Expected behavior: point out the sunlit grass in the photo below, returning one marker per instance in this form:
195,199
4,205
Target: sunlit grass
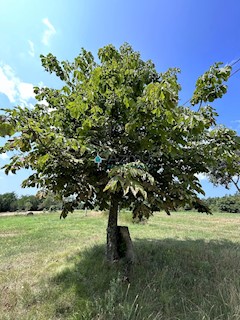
187,267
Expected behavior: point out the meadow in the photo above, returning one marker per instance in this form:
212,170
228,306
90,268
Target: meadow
187,268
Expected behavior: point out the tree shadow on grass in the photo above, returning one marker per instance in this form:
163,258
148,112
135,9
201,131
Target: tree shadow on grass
170,279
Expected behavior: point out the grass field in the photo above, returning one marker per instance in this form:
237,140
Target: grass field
187,267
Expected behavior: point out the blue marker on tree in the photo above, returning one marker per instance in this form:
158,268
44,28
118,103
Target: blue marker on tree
98,160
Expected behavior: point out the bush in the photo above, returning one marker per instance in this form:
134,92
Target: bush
230,203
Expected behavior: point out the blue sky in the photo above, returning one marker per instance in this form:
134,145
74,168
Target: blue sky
188,34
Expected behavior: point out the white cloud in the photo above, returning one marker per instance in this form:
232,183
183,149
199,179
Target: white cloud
7,85
4,156
45,103
31,50
26,90
202,176
15,89
48,33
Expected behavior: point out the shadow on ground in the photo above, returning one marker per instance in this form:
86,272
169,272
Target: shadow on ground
170,279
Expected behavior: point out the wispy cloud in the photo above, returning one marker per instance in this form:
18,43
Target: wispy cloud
236,121
31,50
48,33
14,88
4,156
235,125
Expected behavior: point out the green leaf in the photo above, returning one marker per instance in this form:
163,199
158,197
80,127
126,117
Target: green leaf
6,129
42,160
111,185
169,116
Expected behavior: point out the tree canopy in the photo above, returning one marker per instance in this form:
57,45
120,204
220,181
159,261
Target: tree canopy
116,135
117,127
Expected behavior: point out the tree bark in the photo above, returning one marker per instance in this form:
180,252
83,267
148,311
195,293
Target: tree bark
125,250
112,230
125,245
119,243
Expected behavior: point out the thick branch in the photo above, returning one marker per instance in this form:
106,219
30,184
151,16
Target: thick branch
236,184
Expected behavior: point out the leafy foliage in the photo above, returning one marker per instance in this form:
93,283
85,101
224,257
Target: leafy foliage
226,171
11,202
229,203
125,111
210,85
8,202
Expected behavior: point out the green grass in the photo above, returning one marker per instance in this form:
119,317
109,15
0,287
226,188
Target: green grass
187,268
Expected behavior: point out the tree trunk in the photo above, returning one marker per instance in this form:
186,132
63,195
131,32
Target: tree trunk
112,231
125,246
119,243
125,250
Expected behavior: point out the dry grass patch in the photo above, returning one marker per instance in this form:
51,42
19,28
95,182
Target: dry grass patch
8,234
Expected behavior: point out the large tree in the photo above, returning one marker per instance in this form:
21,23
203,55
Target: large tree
116,135
8,202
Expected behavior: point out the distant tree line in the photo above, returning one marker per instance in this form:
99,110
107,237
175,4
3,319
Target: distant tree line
11,202
228,203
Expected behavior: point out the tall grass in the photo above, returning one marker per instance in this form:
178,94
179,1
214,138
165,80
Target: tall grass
187,267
